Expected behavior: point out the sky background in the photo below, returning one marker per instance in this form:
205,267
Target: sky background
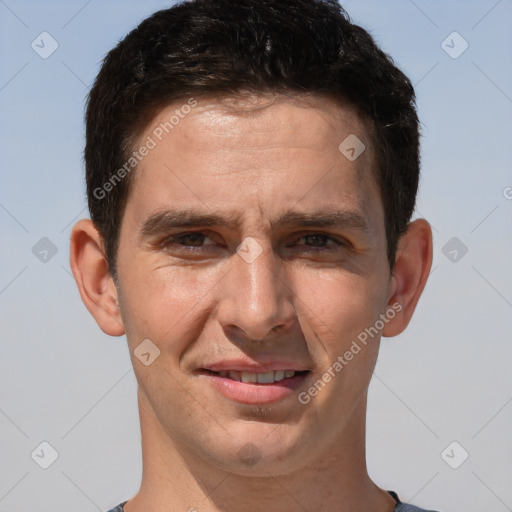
445,380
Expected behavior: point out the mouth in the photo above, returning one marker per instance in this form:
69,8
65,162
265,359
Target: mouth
255,387
270,377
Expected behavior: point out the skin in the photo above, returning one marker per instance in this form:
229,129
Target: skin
198,301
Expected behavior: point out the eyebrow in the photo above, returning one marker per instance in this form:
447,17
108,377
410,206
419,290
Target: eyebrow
164,221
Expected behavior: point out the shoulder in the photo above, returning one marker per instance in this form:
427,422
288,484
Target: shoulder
119,508
405,507
400,507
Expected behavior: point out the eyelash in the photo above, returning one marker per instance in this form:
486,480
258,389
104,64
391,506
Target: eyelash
174,241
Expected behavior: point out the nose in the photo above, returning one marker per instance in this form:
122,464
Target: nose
256,299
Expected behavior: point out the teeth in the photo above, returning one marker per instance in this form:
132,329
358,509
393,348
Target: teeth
265,378
232,374
249,377
279,375
260,378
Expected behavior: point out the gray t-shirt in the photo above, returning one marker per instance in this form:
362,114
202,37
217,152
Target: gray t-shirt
400,507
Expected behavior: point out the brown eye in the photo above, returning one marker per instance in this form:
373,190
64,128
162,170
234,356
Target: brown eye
193,239
319,241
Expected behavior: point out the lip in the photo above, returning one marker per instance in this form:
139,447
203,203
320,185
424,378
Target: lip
246,365
254,393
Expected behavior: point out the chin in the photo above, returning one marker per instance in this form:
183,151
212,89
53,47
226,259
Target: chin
252,461
259,452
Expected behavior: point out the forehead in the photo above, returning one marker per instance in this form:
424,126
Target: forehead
276,148
317,121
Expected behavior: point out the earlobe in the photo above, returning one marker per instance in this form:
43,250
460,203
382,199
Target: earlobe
412,268
93,278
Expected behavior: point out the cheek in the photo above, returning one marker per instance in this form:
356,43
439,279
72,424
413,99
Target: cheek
159,304
335,311
338,306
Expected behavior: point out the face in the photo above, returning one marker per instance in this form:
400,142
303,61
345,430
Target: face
252,249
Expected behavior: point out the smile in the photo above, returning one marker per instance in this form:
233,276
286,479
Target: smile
253,387
260,378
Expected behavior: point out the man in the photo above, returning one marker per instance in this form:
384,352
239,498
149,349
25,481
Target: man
252,169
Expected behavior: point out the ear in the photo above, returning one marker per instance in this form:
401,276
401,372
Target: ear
92,276
412,268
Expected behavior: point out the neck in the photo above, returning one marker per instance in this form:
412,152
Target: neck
179,479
